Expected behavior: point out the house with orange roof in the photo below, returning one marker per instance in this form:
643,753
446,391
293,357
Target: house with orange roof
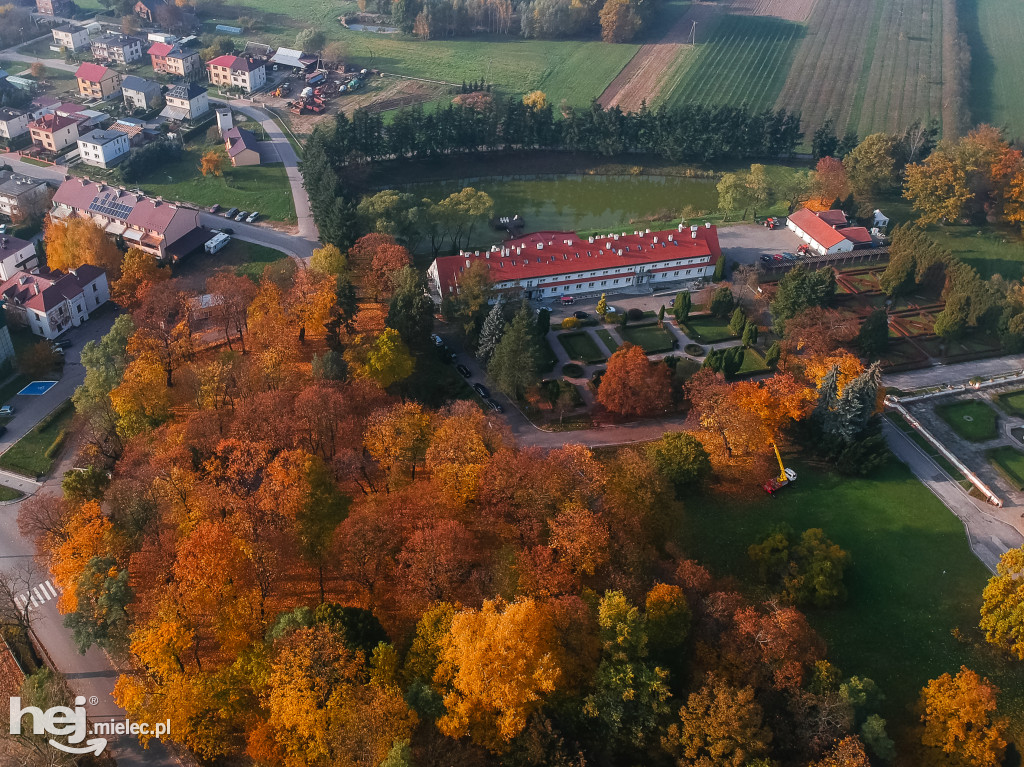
96,81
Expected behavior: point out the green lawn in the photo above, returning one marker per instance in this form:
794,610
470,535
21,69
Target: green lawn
706,329
974,421
248,260
742,60
651,338
28,455
9,493
1012,402
1010,462
995,29
753,363
580,346
256,187
913,579
607,340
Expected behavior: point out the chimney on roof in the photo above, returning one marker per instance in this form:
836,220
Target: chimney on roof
590,239
647,231
693,234
671,237
707,224
540,246
620,251
655,240
35,285
615,236
681,227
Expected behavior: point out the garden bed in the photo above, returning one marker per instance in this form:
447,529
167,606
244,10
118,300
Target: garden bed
608,340
706,329
580,346
1009,461
651,338
974,421
1012,402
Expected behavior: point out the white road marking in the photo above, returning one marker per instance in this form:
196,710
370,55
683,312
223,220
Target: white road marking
36,596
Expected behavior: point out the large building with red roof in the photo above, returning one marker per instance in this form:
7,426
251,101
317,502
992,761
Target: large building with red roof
556,264
96,81
148,224
828,231
49,304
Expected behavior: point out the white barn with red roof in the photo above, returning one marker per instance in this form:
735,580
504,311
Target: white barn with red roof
549,264
828,231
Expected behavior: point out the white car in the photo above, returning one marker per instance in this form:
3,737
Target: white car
252,217
6,410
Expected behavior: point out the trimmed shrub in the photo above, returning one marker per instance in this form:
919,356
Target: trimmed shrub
635,315
694,350
570,323
572,370
56,445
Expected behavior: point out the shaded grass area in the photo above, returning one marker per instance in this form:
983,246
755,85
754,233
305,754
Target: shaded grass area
1010,463
651,338
9,494
580,346
607,340
994,29
29,454
912,583
1012,402
753,363
973,421
707,329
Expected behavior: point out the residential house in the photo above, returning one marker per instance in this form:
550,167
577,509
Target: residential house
16,255
163,229
828,232
140,93
96,81
54,132
22,197
13,122
171,59
187,101
71,37
54,7
136,130
247,74
147,9
86,118
242,147
49,304
547,264
117,49
104,148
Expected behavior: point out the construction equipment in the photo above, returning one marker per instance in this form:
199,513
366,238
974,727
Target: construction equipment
786,476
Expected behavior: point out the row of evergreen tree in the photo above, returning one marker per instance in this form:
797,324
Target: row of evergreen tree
687,134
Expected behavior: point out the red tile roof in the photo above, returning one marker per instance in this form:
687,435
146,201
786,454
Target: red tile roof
567,253
93,73
52,122
160,49
226,60
833,217
858,235
142,212
809,223
45,292
235,63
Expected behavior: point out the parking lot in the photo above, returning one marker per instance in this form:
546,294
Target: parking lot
746,243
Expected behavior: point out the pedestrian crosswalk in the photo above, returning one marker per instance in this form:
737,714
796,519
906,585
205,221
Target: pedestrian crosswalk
36,596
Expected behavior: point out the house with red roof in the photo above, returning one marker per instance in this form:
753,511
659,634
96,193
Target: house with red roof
172,60
243,72
54,132
550,264
163,229
828,231
48,304
96,81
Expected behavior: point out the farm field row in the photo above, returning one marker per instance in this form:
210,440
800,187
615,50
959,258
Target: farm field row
868,65
995,31
744,60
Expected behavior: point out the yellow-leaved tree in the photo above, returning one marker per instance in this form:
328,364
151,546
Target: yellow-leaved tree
75,241
958,713
1002,608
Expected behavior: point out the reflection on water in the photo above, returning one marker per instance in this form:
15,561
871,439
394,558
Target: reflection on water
582,202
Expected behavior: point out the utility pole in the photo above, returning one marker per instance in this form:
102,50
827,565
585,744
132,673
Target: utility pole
693,34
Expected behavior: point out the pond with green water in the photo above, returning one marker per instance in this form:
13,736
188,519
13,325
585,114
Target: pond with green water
584,202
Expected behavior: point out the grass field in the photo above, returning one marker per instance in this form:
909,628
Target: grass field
1010,462
706,329
580,346
913,579
651,338
995,31
607,340
753,363
255,187
1012,402
28,455
972,420
744,61
9,493
869,65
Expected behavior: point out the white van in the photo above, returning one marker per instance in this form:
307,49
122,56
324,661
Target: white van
218,242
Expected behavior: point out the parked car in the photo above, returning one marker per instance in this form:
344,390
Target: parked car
214,208
241,216
63,343
252,216
495,406
6,411
672,302
580,315
482,390
610,309
436,339
227,230
778,257
463,371
231,213
765,258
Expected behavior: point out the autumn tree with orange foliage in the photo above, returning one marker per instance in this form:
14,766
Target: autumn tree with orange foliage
633,384
959,718
74,241
140,271
375,258
212,163
309,301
